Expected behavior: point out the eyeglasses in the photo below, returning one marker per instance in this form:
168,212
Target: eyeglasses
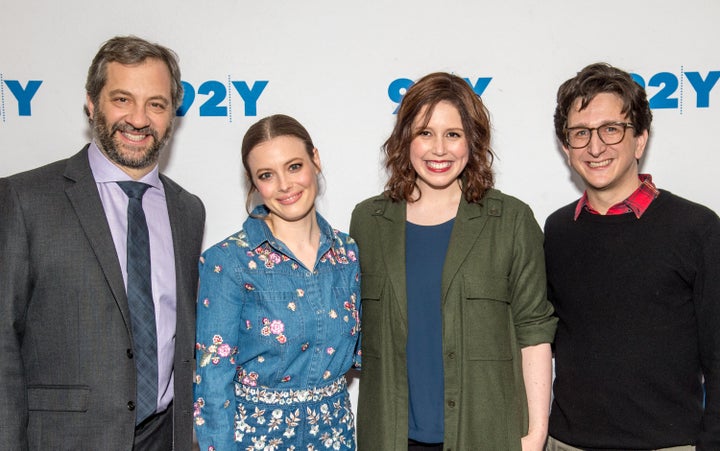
609,133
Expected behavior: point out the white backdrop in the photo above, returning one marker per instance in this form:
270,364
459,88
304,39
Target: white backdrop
331,64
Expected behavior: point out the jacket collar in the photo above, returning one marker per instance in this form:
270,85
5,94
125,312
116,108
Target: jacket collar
470,221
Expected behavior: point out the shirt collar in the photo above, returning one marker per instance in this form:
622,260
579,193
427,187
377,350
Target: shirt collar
257,232
638,202
104,171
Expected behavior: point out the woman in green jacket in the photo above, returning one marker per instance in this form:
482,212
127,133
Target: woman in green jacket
456,324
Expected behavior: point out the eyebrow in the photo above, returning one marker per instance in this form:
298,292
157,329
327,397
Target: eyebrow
286,163
129,94
585,125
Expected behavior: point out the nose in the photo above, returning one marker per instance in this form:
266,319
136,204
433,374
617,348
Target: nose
595,147
284,182
138,117
439,147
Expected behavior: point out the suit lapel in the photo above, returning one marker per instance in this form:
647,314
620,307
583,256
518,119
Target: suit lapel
179,230
184,283
82,193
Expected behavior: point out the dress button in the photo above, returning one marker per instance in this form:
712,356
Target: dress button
451,355
131,405
129,353
451,403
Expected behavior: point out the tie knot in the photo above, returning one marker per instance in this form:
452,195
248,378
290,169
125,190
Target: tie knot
134,190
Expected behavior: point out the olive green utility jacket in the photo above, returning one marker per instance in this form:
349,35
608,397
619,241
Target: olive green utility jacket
493,304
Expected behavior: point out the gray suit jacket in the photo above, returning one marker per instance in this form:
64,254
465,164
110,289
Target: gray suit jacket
67,377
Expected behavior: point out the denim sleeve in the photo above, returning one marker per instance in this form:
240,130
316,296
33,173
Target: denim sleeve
357,355
218,308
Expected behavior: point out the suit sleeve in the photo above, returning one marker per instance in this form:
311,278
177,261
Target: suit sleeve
218,311
15,287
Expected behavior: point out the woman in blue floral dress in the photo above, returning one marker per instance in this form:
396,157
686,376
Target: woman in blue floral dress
278,320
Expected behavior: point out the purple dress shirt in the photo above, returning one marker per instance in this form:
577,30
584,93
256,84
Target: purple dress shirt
162,256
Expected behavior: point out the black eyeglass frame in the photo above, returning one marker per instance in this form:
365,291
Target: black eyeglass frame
624,125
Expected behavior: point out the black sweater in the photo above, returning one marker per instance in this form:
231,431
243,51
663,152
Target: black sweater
638,302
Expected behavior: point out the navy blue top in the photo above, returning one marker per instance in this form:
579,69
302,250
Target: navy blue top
425,250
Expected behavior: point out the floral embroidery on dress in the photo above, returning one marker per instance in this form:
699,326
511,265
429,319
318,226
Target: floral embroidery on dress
274,327
215,352
269,257
240,239
249,379
197,409
328,423
257,326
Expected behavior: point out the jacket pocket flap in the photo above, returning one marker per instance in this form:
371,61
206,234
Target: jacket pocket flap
495,289
59,398
371,286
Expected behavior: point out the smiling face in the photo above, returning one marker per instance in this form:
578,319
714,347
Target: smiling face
285,176
439,151
610,172
133,117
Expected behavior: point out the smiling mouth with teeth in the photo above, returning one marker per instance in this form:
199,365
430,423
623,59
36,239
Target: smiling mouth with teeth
134,137
598,164
438,164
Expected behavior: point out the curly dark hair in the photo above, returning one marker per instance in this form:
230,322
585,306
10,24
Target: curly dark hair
477,177
600,78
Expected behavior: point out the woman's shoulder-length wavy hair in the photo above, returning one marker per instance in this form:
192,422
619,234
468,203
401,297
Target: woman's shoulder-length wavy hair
421,98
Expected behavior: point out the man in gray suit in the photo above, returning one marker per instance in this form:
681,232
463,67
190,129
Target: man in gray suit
70,372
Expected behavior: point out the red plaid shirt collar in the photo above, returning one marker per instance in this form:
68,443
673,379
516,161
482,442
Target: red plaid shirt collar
638,202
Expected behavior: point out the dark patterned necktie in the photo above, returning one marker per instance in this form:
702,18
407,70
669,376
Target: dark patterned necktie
139,293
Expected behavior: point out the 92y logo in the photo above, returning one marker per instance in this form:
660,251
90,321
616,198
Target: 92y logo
399,86
218,99
673,91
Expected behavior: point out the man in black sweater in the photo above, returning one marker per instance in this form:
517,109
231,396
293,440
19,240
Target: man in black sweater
634,275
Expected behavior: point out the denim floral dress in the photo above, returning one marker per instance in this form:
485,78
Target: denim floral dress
274,340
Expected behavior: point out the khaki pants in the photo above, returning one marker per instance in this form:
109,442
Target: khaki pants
557,445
